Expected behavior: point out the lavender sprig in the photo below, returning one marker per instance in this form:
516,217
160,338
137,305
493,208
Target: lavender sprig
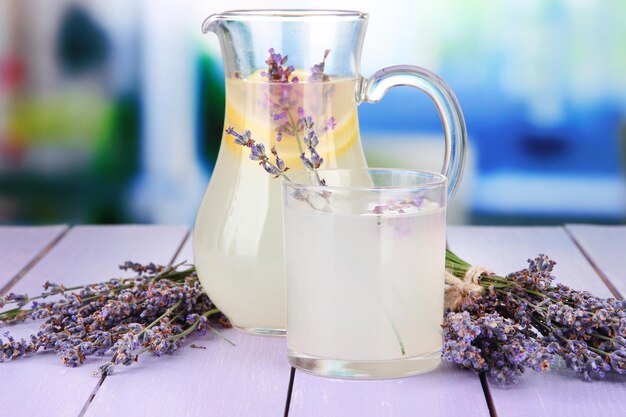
587,332
257,153
310,139
151,312
317,72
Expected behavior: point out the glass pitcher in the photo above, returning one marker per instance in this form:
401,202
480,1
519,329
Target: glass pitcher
281,66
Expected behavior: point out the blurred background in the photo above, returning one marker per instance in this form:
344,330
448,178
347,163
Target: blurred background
112,112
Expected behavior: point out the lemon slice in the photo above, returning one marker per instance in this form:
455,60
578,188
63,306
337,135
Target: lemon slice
245,110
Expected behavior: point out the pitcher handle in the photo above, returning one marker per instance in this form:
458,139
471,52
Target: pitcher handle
374,88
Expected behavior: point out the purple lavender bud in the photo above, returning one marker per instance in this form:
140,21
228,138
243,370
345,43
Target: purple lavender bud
316,160
270,169
21,299
280,164
135,327
317,69
105,369
306,162
314,141
331,123
239,139
192,318
257,152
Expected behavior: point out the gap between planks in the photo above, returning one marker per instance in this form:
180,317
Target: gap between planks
594,265
292,376
104,377
38,257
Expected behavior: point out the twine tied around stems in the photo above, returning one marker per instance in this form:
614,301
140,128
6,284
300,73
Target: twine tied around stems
457,289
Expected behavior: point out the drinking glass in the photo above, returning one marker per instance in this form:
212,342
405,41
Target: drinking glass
365,258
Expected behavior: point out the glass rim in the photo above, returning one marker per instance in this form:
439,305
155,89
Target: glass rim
293,14
436,180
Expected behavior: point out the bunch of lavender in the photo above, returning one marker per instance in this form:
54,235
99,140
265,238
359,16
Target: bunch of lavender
154,311
525,320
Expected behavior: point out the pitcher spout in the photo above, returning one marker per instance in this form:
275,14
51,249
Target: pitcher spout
211,23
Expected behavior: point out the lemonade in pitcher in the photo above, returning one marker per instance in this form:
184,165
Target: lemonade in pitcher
238,247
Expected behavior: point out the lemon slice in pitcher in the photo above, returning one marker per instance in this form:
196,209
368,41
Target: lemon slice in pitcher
247,107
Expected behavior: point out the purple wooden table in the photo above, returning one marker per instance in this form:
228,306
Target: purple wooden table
253,378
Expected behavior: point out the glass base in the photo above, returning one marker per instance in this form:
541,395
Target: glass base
261,331
335,368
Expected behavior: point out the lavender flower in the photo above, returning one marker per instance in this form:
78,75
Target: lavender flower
146,313
275,71
587,332
243,140
257,153
493,344
317,72
310,138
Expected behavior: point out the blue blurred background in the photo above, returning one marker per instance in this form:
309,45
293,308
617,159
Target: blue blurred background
112,111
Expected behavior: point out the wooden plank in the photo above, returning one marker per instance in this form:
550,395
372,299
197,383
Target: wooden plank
21,246
41,384
446,391
606,247
558,393
249,379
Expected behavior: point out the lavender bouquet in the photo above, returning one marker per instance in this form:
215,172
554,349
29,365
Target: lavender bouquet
154,312
503,325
